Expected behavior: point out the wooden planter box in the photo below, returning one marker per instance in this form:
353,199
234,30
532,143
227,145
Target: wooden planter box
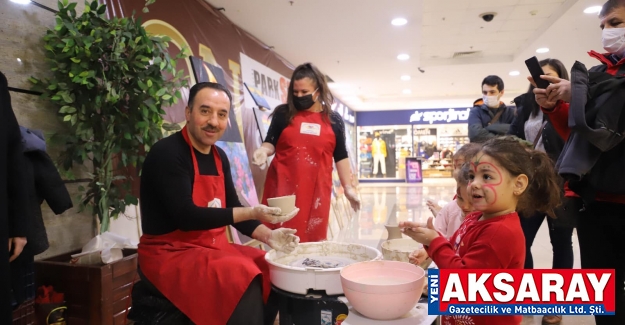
94,294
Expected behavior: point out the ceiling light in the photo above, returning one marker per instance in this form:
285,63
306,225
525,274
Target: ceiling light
403,57
407,91
22,2
405,77
542,50
593,10
515,73
399,21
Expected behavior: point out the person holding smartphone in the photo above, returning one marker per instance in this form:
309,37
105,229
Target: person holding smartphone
532,125
601,224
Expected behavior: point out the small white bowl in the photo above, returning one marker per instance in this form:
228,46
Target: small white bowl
400,250
285,203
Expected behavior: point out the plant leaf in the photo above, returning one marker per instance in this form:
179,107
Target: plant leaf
161,92
66,97
64,109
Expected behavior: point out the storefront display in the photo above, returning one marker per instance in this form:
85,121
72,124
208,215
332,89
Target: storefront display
432,137
424,141
381,151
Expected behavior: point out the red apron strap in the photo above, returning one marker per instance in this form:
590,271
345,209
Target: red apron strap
185,134
196,169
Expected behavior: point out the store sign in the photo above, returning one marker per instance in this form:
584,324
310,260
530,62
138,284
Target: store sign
424,132
346,113
432,116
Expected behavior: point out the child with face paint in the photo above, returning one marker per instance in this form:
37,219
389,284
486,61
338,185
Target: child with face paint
450,217
464,154
502,178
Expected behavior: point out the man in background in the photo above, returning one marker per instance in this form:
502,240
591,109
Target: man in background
493,117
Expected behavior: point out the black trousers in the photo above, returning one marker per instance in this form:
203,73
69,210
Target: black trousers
251,310
560,236
149,306
601,232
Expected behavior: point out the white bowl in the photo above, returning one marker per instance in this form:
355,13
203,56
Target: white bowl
400,250
285,203
383,290
288,275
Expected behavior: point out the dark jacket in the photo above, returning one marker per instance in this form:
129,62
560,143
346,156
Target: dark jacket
551,140
44,183
12,192
594,155
480,117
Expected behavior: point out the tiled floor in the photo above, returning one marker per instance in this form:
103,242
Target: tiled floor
382,203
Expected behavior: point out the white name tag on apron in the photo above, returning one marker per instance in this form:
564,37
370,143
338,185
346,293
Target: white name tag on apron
310,128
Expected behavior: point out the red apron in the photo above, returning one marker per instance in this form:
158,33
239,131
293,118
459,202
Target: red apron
200,272
303,166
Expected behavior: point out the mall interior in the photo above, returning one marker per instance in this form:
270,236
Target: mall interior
376,98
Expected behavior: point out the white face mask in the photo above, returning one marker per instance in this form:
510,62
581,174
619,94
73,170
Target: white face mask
614,40
491,101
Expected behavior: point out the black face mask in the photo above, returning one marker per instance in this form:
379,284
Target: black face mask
304,102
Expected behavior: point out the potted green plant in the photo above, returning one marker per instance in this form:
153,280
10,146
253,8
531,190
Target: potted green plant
110,80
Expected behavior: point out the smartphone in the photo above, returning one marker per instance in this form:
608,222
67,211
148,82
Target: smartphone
536,71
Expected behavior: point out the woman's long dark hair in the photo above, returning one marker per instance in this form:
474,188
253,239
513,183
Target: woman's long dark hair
307,70
559,68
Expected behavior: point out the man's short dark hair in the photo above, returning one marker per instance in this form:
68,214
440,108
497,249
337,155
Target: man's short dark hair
201,85
493,81
611,5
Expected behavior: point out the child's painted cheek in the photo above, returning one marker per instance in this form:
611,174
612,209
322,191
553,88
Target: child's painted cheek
490,194
490,190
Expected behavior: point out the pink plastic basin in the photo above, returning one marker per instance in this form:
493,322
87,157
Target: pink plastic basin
383,290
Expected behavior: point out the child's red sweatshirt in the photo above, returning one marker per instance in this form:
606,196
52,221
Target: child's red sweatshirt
496,243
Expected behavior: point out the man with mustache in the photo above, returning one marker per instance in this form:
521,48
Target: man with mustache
187,201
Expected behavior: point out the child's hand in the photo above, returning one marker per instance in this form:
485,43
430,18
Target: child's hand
419,232
434,208
417,257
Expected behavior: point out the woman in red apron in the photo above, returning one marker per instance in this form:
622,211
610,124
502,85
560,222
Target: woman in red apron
199,271
306,136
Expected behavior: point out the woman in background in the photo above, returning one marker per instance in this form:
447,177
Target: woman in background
533,126
307,137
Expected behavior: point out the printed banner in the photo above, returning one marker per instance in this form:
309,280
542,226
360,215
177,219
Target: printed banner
265,82
521,292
